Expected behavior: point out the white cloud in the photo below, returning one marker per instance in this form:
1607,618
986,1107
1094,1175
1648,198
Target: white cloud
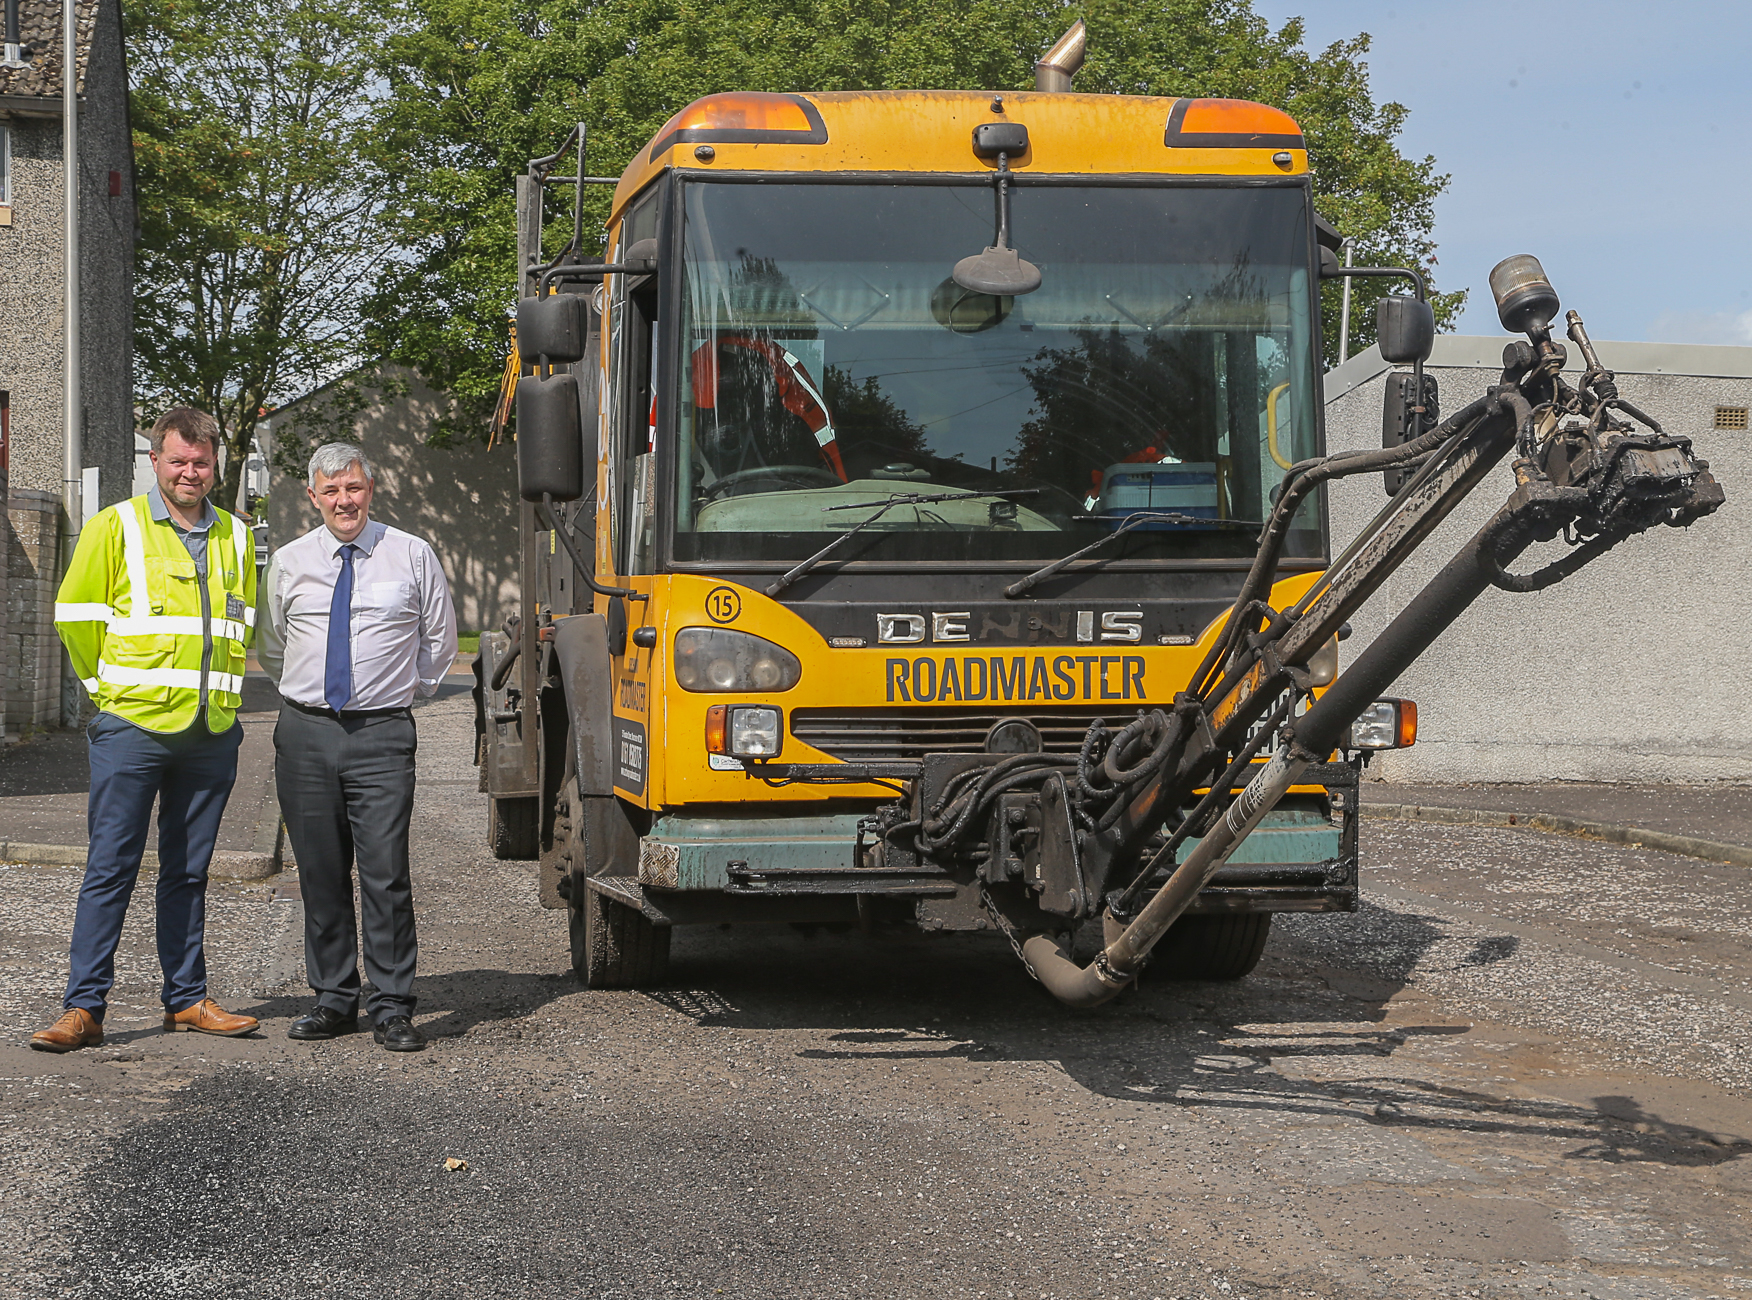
1726,327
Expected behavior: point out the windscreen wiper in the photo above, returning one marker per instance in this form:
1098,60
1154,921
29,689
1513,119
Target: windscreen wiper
898,499
1022,586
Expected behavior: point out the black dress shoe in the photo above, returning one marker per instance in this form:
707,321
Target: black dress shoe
324,1022
397,1034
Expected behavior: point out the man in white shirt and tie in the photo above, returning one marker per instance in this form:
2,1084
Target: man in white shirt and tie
355,622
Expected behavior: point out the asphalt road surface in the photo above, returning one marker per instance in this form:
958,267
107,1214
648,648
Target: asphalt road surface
1521,1070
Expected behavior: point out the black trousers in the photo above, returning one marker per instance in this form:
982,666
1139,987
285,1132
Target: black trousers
346,786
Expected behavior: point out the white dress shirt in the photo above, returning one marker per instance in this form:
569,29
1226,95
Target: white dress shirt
402,630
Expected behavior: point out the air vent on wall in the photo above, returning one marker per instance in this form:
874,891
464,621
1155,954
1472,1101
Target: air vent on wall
1730,417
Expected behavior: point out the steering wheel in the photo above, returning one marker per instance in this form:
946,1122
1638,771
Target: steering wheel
796,475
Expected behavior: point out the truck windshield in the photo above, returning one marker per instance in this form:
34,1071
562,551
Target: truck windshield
1165,364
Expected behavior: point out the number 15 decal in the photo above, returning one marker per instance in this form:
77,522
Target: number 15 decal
723,605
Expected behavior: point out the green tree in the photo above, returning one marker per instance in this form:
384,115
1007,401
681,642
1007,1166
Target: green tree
261,193
483,85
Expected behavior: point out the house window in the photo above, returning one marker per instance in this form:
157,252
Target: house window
5,166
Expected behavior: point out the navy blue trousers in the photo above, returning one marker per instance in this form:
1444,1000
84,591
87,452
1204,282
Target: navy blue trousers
189,774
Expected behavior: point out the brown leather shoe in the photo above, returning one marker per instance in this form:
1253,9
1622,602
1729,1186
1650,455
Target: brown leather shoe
76,1028
207,1017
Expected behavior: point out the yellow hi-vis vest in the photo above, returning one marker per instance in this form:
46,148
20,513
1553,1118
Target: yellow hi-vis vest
130,613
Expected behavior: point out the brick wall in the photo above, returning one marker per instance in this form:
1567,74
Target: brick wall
32,654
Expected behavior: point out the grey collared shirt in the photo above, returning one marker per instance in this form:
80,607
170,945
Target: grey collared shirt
194,538
402,631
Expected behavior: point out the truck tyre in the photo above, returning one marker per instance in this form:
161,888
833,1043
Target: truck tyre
614,946
514,828
1224,946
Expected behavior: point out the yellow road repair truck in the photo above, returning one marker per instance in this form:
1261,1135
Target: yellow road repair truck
923,525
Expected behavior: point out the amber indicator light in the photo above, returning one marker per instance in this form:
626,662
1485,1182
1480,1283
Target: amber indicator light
745,117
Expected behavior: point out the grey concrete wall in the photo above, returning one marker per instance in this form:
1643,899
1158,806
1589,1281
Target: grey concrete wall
31,280
461,499
1636,669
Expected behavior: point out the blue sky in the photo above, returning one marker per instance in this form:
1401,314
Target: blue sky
1611,140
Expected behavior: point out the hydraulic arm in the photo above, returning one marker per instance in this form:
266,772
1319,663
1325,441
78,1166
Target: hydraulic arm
1097,833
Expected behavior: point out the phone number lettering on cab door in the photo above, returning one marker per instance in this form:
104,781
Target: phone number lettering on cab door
1015,677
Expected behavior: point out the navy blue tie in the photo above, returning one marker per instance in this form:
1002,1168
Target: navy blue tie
337,680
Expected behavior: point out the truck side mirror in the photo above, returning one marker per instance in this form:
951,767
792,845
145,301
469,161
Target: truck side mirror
1405,329
550,442
1401,421
640,257
555,326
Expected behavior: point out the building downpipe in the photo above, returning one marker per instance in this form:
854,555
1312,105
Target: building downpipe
72,451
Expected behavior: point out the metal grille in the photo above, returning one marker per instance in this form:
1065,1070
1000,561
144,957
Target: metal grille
865,734
1730,417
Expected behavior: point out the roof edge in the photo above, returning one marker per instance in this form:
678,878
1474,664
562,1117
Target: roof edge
1483,352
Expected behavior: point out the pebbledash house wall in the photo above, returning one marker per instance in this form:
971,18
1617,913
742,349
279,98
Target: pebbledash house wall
1637,668
32,353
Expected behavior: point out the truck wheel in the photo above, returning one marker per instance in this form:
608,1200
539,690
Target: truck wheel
1224,946
514,828
615,946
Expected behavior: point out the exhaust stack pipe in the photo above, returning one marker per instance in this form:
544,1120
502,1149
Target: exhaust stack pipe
1059,64
15,55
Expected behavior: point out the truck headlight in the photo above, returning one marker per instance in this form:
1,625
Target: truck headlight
1385,724
1323,664
716,659
745,730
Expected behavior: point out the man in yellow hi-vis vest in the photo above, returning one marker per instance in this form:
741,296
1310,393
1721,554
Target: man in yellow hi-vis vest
156,612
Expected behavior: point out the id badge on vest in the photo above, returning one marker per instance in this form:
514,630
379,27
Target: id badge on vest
234,607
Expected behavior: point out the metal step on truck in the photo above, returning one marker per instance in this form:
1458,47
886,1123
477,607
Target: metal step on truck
925,524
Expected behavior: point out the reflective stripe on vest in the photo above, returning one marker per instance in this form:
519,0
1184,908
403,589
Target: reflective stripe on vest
173,625
152,624
90,612
174,677
134,555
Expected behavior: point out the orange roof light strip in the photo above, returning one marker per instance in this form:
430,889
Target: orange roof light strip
1230,124
744,117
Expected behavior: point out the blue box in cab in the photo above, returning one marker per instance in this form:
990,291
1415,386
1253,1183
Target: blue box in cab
1186,488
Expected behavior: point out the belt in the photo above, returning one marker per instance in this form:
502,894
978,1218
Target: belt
402,711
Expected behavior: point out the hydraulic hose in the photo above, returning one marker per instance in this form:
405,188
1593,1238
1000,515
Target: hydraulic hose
503,671
1301,480
1315,733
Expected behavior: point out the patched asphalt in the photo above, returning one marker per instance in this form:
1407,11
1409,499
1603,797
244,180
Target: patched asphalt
1519,1070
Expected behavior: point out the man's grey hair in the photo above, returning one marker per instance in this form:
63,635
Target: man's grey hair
332,458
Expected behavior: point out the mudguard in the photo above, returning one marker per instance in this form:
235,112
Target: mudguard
606,836
507,769
581,642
